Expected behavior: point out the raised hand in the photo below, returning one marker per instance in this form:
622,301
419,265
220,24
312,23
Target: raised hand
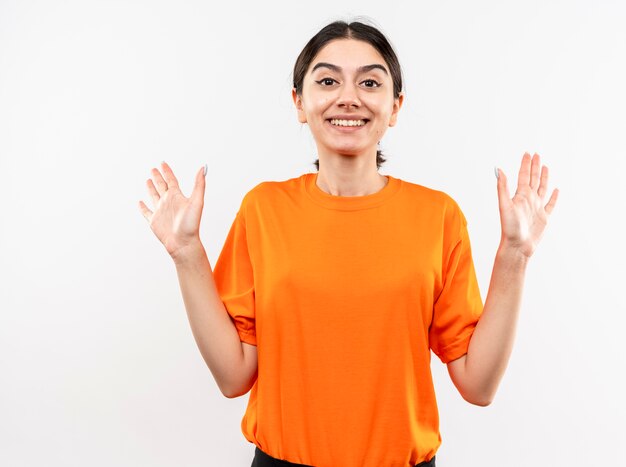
524,217
176,218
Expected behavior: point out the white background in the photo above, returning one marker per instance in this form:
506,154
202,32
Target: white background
98,366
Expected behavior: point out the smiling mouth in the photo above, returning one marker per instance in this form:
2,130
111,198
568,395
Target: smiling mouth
347,123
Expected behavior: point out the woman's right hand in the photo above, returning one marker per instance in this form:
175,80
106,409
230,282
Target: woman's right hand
176,218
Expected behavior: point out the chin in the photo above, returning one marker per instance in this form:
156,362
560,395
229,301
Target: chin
349,150
352,152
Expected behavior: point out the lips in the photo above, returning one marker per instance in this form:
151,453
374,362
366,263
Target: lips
349,122
338,122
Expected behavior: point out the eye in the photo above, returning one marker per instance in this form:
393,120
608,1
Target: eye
326,81
370,83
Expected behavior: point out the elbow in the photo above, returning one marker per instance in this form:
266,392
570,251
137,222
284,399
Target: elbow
482,395
481,400
228,390
234,391
231,393
235,394
241,378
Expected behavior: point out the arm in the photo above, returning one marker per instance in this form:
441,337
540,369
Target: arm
176,223
477,374
233,363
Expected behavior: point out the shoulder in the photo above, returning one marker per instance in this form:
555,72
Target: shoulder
271,190
437,201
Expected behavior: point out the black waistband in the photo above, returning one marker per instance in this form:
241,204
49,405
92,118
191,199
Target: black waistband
261,459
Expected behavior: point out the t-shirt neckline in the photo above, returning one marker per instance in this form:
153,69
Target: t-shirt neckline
350,203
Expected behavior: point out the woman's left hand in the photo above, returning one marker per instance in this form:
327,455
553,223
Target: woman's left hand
524,217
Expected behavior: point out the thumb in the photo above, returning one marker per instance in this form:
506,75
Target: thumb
200,184
504,197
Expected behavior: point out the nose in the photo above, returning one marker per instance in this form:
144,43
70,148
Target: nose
348,96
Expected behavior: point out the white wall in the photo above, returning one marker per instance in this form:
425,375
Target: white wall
98,365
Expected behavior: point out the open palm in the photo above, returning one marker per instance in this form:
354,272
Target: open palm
176,218
524,217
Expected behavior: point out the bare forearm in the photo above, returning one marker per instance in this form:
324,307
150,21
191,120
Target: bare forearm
492,341
523,219
214,332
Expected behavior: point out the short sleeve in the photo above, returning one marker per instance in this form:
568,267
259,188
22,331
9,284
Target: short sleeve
459,304
234,280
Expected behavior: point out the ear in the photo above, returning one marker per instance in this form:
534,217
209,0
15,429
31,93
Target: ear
397,104
297,100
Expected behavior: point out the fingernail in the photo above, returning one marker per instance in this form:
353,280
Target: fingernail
206,167
495,169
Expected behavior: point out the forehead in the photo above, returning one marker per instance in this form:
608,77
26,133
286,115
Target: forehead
348,54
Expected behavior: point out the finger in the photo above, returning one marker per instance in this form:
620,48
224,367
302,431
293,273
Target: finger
534,171
154,194
543,186
523,179
198,188
170,178
552,202
160,183
145,211
504,197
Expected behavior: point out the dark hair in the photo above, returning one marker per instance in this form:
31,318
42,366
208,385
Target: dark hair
343,30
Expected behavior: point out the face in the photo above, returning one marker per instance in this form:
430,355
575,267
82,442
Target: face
347,98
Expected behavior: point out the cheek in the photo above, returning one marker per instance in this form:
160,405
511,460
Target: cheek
316,107
320,103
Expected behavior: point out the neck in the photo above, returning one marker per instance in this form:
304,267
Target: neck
350,181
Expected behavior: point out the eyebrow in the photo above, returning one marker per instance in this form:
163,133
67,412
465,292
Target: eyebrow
361,69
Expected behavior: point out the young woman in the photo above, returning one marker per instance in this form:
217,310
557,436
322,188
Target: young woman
333,287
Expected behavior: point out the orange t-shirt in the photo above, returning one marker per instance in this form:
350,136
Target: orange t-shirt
344,297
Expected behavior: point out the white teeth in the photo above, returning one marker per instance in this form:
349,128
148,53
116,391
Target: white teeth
338,122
